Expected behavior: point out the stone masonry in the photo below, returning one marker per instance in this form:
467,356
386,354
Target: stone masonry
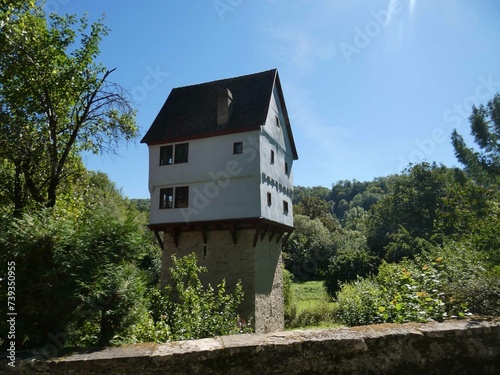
453,347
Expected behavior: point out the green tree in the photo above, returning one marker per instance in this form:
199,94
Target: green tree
55,101
351,259
300,192
483,165
80,277
412,204
317,208
308,248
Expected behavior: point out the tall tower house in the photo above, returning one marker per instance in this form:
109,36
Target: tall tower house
220,177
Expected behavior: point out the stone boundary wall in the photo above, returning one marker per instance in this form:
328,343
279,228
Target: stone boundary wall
454,347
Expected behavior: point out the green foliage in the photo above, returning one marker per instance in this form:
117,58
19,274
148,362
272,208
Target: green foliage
317,208
443,283
79,274
55,101
308,306
287,289
301,192
357,303
308,248
413,203
350,261
403,245
348,194
483,165
40,245
412,292
188,310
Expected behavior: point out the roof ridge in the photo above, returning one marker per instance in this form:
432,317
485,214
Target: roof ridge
227,79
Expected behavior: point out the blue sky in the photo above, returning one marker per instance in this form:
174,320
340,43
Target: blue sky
369,85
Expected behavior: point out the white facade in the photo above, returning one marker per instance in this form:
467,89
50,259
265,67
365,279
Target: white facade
224,185
274,178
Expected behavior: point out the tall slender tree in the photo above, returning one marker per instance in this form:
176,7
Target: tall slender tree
483,165
55,100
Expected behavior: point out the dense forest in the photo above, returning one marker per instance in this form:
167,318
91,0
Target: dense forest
420,245
83,269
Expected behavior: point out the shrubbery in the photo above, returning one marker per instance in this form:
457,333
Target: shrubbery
441,284
188,310
87,273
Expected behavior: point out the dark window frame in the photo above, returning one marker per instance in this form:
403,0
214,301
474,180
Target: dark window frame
237,148
174,197
181,197
167,155
174,154
181,152
166,198
285,207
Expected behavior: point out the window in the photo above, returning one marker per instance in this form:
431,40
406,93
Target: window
181,153
286,168
272,157
166,155
181,196
238,148
174,154
178,200
285,207
277,121
166,197
269,199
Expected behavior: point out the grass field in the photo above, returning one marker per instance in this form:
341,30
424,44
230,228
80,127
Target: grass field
310,294
311,306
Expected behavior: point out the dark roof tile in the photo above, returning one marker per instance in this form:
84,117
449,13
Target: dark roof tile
191,111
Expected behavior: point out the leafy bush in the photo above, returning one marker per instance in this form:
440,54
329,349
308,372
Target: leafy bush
315,316
352,260
412,292
187,310
356,303
470,278
420,290
79,274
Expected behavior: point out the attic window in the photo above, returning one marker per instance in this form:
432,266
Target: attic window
277,121
238,148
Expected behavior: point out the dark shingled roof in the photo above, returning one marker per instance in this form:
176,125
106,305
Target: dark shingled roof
191,112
